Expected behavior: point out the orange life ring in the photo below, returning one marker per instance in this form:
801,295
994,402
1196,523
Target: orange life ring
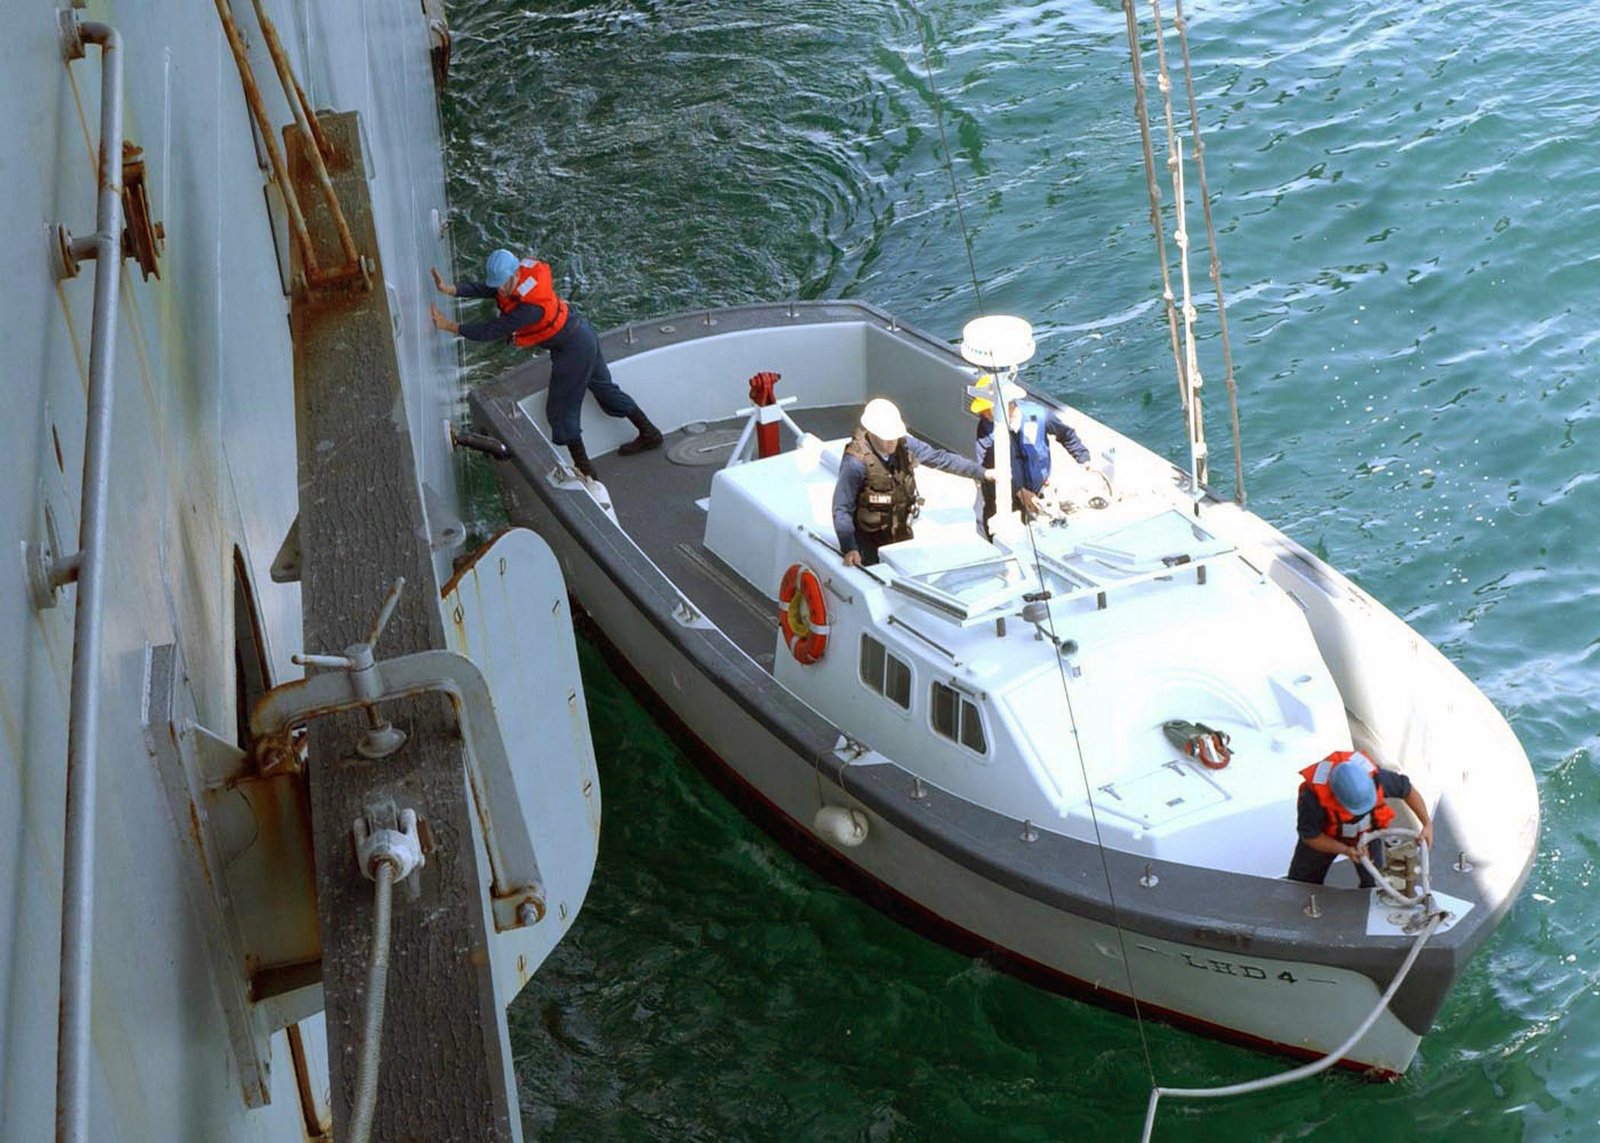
803,614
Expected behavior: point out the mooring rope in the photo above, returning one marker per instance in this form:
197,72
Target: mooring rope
1308,1070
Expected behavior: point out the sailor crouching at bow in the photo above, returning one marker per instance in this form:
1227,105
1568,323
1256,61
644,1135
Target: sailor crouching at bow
1341,798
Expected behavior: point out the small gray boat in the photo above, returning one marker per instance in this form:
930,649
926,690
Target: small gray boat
973,734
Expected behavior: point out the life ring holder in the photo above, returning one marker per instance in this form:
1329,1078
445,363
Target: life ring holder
803,614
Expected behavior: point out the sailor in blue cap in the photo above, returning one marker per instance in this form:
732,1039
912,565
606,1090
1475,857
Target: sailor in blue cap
1342,797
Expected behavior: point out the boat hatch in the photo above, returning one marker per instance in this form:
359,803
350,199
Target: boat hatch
963,580
1164,540
1161,795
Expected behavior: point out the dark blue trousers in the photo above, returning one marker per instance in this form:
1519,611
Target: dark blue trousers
577,366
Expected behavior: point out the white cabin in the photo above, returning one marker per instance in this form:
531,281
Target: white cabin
1059,722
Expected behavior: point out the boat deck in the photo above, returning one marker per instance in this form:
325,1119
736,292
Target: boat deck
656,496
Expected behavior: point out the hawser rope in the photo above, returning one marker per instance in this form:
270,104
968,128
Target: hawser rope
1434,917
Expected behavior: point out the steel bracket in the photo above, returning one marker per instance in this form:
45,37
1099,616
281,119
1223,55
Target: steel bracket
48,571
251,883
361,682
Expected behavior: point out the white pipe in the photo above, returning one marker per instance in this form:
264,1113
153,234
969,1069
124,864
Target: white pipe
1005,523
83,728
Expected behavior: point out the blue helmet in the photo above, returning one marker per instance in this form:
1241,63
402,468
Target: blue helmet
501,265
1352,783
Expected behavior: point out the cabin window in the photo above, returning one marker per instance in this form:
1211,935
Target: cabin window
889,676
956,717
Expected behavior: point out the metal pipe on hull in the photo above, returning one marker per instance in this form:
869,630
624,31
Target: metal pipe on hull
83,731
307,124
280,169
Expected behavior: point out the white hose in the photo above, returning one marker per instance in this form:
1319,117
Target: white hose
377,986
1307,1070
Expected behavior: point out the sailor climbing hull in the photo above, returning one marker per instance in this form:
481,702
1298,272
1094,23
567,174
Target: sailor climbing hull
1234,952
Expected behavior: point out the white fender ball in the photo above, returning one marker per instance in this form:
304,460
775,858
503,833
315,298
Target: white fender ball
842,826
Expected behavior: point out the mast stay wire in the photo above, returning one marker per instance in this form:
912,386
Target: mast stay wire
1083,769
1066,691
1185,356
1000,410
949,162
1181,23
1189,370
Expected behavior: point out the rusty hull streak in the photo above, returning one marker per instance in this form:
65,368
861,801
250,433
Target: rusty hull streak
515,894
471,563
275,752
285,847
315,1130
197,835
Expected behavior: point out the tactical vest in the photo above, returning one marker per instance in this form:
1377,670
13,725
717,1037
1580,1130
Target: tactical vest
888,497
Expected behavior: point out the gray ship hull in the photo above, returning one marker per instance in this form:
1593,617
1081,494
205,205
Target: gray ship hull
201,607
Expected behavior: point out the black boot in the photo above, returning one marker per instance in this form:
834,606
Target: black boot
580,460
649,436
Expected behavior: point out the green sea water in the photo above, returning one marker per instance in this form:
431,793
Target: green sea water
1410,238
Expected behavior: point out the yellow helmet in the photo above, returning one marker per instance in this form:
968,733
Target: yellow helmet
1013,392
982,404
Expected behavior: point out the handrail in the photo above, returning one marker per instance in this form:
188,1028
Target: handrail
83,728
1105,587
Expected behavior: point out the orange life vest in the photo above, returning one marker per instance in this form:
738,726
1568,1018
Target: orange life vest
1338,822
533,285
